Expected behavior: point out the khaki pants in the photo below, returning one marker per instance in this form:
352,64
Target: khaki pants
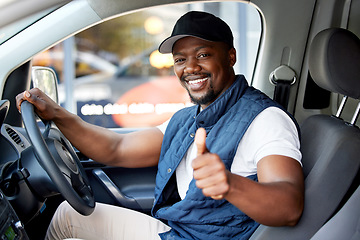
106,223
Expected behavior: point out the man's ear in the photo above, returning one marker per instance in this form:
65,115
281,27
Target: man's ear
232,56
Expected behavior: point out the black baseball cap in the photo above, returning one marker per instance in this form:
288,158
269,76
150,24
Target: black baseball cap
201,25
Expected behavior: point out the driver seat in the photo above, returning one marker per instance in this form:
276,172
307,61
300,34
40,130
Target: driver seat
345,224
330,145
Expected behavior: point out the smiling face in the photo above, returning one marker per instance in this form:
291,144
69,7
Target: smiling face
204,68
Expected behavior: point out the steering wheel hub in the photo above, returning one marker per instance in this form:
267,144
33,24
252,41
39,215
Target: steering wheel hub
64,157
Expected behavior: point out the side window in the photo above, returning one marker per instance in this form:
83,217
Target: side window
113,76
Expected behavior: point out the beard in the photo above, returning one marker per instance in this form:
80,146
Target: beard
208,98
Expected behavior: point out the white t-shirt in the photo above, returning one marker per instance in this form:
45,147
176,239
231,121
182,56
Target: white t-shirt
272,132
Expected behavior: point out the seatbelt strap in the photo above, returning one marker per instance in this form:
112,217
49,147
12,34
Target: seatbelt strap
282,77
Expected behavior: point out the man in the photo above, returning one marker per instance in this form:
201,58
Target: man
243,169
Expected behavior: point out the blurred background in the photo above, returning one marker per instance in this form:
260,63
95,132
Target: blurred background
112,75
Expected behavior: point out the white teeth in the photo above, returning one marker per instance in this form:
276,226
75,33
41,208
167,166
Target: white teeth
198,81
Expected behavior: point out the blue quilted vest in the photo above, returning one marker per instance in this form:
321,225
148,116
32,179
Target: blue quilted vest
225,120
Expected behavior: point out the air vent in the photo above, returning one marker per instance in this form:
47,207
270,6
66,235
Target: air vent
15,137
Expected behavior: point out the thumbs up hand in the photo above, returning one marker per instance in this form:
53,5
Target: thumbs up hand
209,171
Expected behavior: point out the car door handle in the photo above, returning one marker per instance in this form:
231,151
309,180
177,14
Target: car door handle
114,191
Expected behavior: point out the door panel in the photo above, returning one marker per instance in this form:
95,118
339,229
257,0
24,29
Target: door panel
126,187
129,188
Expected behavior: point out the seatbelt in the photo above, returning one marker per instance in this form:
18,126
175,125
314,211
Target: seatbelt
282,77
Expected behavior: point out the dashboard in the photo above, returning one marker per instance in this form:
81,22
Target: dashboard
11,228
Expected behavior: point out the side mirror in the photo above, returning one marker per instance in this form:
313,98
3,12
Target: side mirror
45,79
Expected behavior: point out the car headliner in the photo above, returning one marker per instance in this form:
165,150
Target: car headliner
12,11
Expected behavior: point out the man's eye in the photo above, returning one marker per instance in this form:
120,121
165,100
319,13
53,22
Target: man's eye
178,60
202,55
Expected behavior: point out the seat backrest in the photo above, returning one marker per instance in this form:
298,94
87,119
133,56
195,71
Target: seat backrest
330,146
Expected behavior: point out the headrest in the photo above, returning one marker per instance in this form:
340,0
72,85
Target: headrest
334,61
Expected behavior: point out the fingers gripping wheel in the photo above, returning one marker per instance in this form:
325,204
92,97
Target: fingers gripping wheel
59,160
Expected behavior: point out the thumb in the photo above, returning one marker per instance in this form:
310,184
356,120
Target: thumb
27,95
24,96
200,141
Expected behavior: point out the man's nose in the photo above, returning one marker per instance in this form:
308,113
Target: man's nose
192,66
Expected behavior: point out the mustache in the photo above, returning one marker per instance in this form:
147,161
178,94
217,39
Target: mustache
194,76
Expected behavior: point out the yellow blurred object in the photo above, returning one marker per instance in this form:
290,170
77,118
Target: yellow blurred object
160,61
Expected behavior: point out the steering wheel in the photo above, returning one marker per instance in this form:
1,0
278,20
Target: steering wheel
57,157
